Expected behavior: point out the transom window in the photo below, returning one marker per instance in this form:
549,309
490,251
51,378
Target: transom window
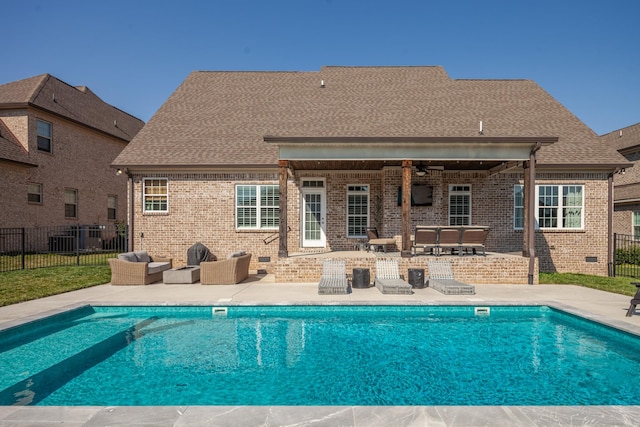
257,207
112,207
459,205
156,194
357,210
34,193
44,135
70,203
557,206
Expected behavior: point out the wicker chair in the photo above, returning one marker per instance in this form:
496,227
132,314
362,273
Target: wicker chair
388,280
225,272
138,268
441,279
334,278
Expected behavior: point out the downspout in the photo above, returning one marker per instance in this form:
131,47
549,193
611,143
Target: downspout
531,208
610,246
130,217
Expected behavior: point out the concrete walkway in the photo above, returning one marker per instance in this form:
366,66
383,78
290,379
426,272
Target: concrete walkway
601,306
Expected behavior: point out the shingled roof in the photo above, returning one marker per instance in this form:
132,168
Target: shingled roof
221,118
78,104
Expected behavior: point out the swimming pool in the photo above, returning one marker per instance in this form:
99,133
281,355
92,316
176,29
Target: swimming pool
318,355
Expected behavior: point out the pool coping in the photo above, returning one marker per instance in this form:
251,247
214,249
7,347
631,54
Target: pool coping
325,415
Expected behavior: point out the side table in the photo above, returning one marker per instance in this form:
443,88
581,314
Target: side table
416,278
361,278
182,275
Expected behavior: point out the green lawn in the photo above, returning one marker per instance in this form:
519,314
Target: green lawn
618,285
25,285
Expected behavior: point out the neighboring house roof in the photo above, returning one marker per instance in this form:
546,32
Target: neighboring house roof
78,104
220,119
627,142
11,150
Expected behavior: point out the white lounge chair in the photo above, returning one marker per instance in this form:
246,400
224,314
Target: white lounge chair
334,278
388,279
441,279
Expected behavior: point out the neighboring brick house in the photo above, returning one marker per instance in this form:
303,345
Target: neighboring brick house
281,163
57,143
626,216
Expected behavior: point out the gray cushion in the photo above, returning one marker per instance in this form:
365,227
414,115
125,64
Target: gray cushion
236,254
142,256
128,256
156,267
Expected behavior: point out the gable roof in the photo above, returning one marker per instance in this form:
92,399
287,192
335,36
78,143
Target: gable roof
78,104
625,139
220,119
11,150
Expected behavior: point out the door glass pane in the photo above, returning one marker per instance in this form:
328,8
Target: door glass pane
312,228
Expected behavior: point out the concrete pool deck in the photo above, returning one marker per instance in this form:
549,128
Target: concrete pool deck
601,306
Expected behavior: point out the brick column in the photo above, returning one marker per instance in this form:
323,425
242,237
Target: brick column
406,209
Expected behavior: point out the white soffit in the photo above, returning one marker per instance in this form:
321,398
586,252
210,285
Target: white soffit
504,149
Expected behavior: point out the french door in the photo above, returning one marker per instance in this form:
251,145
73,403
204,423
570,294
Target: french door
313,221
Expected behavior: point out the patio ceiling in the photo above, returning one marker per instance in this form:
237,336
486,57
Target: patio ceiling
374,153
456,165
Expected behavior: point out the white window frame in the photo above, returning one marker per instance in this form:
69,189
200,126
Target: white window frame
259,207
460,190
635,222
158,195
358,190
48,137
34,186
68,202
560,207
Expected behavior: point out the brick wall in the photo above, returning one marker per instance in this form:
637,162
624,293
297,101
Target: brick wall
201,208
80,160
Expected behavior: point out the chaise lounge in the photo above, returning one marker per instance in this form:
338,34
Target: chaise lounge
441,279
388,280
137,268
334,278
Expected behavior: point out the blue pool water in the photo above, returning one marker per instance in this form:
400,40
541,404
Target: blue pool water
318,355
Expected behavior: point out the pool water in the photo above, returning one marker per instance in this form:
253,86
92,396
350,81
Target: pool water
318,355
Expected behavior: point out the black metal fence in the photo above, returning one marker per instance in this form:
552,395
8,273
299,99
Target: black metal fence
626,255
78,244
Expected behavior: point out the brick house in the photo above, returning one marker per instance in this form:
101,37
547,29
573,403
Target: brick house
57,143
626,216
288,163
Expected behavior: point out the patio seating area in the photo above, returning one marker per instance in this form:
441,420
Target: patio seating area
457,239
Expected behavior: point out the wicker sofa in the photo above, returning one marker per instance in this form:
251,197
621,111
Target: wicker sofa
137,268
230,271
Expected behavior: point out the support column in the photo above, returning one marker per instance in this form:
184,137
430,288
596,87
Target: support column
406,209
525,209
530,224
283,168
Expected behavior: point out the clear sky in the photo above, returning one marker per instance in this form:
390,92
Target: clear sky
135,53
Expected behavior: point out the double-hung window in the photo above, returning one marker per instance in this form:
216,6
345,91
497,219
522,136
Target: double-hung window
155,194
557,206
44,135
34,193
70,203
459,205
257,207
636,224
357,210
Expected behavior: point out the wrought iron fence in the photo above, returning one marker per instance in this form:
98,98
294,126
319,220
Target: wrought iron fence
68,245
626,258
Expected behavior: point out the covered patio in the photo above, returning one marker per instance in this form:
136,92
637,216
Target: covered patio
415,157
